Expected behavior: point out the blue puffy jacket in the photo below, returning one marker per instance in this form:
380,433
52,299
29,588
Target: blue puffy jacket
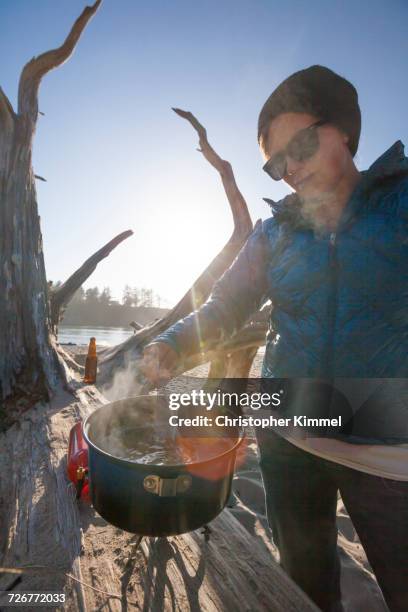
339,299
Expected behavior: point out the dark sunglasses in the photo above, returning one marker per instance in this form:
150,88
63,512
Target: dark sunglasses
303,145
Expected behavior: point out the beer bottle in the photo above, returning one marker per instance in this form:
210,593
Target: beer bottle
91,363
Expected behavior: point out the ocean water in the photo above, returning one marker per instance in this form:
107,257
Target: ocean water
105,336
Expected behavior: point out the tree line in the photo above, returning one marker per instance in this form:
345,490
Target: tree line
131,296
95,306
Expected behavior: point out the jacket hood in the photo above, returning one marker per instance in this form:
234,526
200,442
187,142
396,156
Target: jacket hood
392,163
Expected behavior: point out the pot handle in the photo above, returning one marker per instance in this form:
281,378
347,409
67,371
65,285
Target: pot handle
167,487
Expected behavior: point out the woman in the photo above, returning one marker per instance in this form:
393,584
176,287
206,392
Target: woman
332,259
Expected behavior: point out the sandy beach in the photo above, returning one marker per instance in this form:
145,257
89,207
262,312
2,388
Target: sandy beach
360,590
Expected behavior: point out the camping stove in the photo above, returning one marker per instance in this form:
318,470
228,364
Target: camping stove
77,463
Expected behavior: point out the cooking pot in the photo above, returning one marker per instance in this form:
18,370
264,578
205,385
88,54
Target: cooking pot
156,500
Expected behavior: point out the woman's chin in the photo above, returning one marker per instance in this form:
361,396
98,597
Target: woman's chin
308,192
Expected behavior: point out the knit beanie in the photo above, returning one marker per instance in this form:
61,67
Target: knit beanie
320,92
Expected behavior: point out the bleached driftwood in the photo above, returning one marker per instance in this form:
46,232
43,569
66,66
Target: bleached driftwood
29,365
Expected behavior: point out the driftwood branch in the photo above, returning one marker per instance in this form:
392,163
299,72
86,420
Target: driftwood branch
234,365
249,338
229,359
36,68
242,227
61,296
7,124
135,325
7,114
238,205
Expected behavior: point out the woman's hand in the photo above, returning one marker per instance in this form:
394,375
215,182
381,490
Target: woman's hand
159,363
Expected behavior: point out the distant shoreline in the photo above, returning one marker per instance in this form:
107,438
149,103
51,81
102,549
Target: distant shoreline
109,315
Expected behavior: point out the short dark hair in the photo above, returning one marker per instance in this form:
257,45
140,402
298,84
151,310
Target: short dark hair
319,91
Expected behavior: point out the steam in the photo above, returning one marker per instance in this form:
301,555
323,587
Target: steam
127,381
146,414
319,211
135,428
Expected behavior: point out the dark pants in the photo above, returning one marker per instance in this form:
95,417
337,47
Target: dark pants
301,500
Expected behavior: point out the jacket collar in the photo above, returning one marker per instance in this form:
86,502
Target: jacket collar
392,163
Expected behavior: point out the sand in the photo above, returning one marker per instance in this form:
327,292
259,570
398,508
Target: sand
360,590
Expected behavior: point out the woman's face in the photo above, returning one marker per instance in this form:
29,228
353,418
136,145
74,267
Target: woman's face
320,173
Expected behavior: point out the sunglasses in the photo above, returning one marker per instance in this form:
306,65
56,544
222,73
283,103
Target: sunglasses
303,145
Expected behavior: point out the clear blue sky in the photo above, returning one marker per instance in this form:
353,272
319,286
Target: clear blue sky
116,157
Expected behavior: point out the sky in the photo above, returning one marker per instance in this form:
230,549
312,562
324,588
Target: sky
116,157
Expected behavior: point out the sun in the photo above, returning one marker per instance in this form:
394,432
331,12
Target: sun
180,239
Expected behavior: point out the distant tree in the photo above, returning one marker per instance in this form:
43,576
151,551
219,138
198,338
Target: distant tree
142,297
146,297
127,296
92,296
135,296
130,296
105,298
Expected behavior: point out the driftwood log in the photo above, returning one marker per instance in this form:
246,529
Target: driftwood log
29,363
